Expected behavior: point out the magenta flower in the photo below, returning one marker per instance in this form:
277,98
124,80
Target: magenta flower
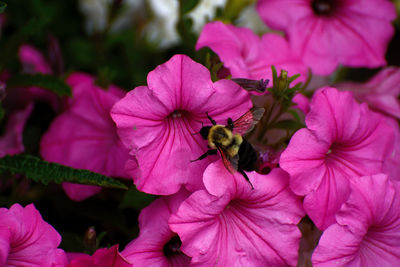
157,245
367,231
248,56
84,136
26,240
158,123
234,225
391,166
32,60
11,141
327,33
381,92
302,103
343,140
103,257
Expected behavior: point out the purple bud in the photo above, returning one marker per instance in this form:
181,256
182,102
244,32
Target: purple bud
252,85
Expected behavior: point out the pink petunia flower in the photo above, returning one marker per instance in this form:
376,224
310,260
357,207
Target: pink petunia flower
84,136
343,140
248,56
157,245
302,103
331,32
32,60
381,92
103,257
158,123
391,166
11,141
26,240
367,231
233,225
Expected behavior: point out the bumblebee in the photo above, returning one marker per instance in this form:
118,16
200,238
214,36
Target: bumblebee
237,154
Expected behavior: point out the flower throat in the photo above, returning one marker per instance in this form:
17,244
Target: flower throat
173,246
323,7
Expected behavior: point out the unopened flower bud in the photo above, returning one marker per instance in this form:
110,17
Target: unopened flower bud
283,80
252,85
89,239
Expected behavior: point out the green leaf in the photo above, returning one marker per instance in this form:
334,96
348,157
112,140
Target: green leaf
136,199
45,172
2,6
295,115
292,78
187,5
48,82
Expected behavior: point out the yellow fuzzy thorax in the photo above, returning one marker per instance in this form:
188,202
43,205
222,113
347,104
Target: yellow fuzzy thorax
233,149
219,135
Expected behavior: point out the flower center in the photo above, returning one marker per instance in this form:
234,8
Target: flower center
173,246
323,7
177,113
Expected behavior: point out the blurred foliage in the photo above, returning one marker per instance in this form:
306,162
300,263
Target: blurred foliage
49,82
2,6
10,48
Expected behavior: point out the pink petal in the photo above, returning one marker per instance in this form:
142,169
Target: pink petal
32,60
380,92
78,192
248,56
148,248
96,139
32,241
337,38
103,257
244,226
227,41
343,140
11,141
159,123
323,203
277,51
302,103
367,229
391,166
185,84
290,11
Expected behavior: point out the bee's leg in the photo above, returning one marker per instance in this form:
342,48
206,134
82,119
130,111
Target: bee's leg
230,125
209,152
246,177
212,121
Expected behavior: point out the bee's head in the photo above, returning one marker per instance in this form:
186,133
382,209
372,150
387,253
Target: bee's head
204,131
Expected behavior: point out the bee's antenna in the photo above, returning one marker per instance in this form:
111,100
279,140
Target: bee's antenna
195,133
212,121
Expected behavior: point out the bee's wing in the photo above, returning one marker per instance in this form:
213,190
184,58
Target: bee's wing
231,164
247,121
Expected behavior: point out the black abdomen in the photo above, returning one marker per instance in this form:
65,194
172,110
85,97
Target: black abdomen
247,157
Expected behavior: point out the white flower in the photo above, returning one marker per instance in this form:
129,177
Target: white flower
205,12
